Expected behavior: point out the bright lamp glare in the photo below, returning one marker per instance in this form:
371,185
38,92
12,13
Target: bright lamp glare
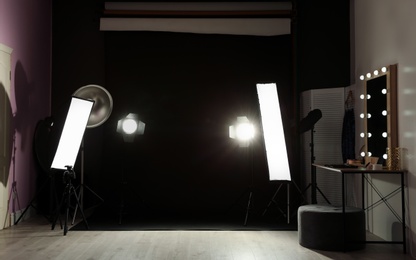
274,137
72,133
129,126
245,131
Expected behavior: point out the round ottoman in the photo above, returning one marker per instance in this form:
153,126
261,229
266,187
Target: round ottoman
321,227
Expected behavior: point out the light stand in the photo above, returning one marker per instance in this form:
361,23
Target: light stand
67,151
83,186
243,131
250,188
274,201
101,111
41,138
128,127
69,190
13,190
306,124
274,141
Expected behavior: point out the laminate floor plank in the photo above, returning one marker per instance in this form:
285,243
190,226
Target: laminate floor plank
33,239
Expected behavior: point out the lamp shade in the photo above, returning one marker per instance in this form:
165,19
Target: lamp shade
103,103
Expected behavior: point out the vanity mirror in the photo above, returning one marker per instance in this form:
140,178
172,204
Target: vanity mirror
380,112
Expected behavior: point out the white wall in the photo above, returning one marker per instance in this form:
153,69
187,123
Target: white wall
385,33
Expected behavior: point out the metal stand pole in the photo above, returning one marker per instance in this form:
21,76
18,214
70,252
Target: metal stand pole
313,185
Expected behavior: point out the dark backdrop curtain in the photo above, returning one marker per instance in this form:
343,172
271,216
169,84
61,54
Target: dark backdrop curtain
188,89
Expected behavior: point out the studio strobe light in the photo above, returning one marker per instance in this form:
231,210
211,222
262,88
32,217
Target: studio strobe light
67,151
274,136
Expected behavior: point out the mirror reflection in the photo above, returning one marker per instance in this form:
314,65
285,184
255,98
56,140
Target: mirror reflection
376,119
380,112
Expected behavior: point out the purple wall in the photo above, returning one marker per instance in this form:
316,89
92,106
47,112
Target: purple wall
25,26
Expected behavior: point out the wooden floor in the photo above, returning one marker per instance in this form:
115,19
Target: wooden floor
33,239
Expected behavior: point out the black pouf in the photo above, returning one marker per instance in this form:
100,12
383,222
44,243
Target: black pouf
321,227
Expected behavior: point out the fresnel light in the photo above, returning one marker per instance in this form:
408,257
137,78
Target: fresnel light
242,130
130,126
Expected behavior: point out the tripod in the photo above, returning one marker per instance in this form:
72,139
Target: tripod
273,199
69,190
82,186
50,181
13,191
249,189
313,184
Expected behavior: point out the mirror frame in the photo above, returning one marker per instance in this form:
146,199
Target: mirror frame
391,96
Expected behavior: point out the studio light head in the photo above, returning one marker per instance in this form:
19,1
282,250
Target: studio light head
130,126
243,131
72,133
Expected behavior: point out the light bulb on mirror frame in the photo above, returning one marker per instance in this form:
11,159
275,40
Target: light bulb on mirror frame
369,135
384,134
369,154
362,135
385,156
384,112
384,91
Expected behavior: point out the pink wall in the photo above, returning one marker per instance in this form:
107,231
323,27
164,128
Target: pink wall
25,26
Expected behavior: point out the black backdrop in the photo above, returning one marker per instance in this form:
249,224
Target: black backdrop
81,55
188,89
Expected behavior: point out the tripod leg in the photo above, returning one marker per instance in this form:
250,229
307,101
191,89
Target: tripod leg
80,208
58,210
320,192
81,198
272,200
32,201
288,203
68,203
248,207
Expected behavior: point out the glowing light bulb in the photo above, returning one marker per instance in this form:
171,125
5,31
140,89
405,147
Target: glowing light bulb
368,96
368,115
362,77
384,69
362,135
362,115
362,96
245,131
384,91
384,112
384,134
385,156
375,72
369,75
129,126
370,154
369,135
362,154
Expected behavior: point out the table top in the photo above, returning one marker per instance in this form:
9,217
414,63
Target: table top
346,169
